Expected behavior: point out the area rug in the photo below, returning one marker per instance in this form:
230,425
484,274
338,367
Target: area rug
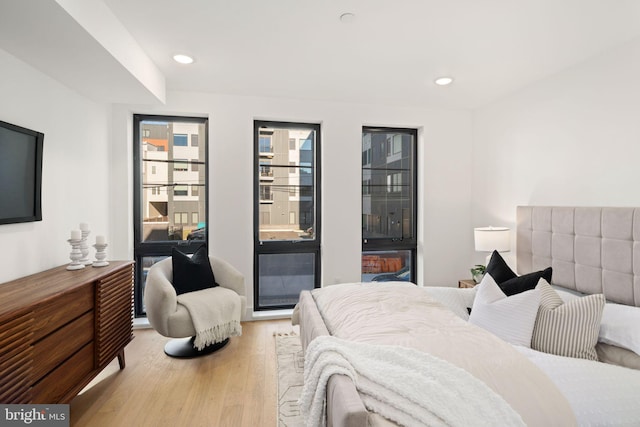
290,364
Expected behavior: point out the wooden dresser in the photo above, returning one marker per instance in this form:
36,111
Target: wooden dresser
60,328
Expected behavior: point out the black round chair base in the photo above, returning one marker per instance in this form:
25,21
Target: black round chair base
183,348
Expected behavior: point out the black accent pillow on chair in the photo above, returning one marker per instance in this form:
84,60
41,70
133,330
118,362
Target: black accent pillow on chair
510,282
192,273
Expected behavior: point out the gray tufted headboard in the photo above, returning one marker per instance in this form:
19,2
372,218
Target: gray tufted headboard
591,249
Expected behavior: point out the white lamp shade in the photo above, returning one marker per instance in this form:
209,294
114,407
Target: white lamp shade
489,239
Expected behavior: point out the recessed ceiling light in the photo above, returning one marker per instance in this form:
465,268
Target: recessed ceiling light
443,81
347,18
183,59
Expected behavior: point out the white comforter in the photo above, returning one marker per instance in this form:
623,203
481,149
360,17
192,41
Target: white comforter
405,315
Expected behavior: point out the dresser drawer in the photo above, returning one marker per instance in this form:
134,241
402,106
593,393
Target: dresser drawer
59,382
52,350
16,359
56,312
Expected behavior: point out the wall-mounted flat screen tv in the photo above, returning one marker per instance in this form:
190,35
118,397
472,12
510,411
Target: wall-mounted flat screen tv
20,174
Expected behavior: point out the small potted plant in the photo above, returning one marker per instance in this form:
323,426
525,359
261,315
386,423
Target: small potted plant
477,272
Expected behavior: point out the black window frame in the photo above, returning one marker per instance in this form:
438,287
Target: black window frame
285,246
159,248
396,244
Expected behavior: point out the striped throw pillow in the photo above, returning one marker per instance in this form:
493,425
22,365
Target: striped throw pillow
567,329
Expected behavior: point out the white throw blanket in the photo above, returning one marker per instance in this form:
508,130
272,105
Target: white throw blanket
402,384
215,313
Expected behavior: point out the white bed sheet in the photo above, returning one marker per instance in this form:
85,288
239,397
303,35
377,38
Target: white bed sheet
599,394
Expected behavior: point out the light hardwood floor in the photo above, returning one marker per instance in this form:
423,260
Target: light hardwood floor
235,386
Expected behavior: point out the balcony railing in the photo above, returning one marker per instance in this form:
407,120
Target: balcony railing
266,174
266,151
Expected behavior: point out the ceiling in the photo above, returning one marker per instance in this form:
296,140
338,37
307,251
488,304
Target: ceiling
389,54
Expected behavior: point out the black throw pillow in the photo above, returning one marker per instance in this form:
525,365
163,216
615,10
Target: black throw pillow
192,273
498,268
510,282
525,282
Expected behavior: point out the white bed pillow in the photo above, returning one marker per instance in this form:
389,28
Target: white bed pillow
510,318
620,326
567,328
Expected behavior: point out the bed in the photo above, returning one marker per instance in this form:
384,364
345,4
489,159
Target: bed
593,252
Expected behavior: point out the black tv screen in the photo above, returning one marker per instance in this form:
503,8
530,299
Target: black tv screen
20,174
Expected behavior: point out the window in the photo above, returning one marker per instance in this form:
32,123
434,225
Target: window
366,156
389,209
162,204
180,140
180,165
265,143
394,144
180,190
366,187
265,194
265,169
286,212
181,218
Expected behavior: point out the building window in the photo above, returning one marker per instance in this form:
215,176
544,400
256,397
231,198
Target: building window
366,187
265,144
265,193
265,169
180,140
366,156
394,144
180,190
180,165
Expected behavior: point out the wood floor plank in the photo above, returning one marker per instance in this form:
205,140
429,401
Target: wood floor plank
236,386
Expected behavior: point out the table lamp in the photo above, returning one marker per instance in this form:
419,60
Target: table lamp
489,239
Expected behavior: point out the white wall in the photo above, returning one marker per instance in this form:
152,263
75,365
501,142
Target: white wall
572,139
75,182
445,157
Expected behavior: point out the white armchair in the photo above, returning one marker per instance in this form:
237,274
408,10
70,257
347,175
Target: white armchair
171,319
